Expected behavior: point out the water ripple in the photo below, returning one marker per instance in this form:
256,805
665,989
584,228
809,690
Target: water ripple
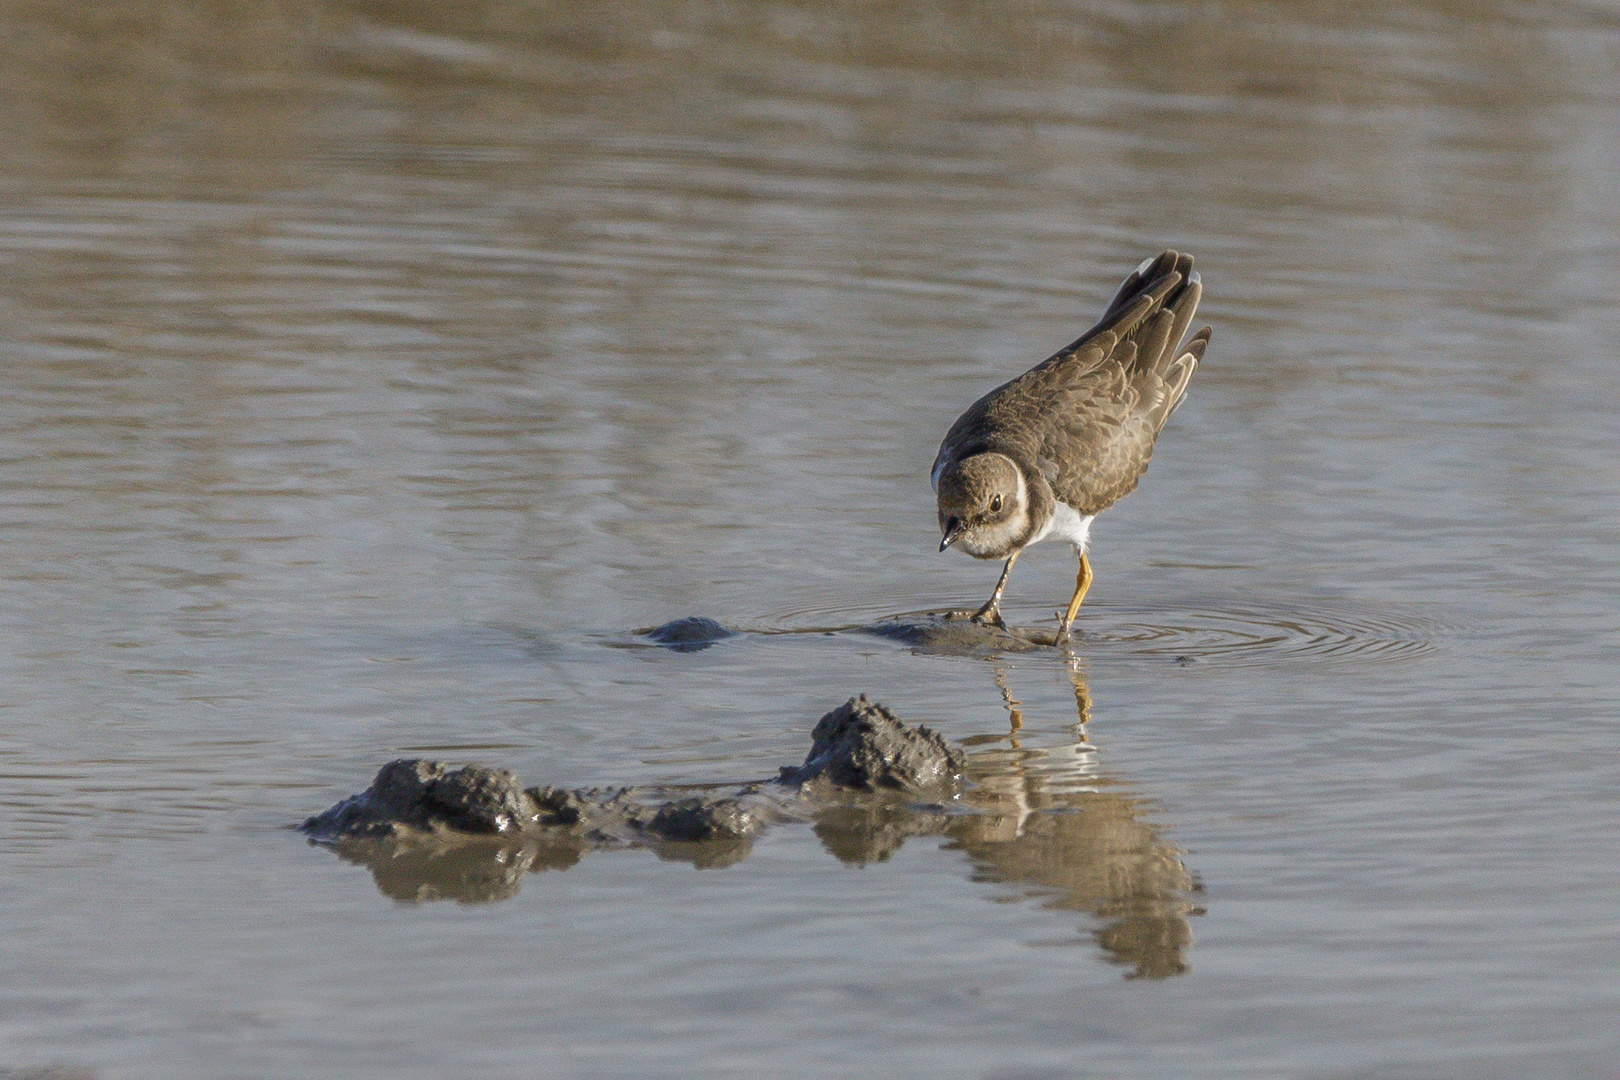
1219,630
1325,631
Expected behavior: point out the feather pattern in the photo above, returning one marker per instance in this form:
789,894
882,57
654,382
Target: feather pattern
1086,418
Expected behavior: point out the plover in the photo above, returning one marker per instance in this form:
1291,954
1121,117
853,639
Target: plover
1044,454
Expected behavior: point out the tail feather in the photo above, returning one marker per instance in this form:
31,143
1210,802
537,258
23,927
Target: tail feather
1166,281
1181,372
1186,306
1150,270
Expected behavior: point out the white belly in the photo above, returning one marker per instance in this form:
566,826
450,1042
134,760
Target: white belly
1066,524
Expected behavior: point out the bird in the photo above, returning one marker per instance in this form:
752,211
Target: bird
1041,456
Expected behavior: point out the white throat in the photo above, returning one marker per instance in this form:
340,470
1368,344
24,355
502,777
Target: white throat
1069,524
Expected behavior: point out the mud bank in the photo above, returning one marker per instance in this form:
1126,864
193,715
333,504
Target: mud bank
860,746
414,798
954,633
867,785
691,634
950,633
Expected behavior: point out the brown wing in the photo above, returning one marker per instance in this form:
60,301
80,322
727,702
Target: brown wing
1087,417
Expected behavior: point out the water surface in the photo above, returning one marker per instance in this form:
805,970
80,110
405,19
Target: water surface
373,372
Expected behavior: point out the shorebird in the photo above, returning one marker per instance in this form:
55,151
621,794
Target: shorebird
1044,454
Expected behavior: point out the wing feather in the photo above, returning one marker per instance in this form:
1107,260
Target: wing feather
1088,416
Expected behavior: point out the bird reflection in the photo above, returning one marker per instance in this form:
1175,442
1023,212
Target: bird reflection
1052,821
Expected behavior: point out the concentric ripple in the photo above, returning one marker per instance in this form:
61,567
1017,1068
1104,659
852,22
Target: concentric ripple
1215,630
1337,632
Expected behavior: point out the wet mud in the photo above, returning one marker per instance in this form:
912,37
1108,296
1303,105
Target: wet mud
691,634
955,633
862,746
859,746
868,783
952,633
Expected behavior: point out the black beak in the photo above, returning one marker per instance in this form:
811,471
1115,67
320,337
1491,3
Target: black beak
953,530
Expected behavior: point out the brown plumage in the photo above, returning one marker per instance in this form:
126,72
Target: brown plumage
1043,454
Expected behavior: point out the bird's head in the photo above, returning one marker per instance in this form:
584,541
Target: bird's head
983,506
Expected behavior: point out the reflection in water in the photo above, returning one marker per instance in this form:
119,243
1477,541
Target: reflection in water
472,872
1053,821
476,870
1047,819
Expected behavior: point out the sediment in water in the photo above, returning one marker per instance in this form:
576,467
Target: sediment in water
691,634
954,633
951,633
862,746
868,784
859,746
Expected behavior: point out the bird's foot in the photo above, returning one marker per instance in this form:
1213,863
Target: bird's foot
1064,635
989,615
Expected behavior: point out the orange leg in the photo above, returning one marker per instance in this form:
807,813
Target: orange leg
1081,584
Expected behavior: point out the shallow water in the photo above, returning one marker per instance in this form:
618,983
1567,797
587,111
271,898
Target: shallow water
374,372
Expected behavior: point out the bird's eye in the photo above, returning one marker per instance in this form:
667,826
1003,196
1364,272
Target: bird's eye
995,504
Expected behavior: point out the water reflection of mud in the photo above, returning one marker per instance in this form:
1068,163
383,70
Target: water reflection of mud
481,871
471,872
1046,820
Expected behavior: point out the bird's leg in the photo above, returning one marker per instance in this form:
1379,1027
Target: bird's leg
991,612
1081,584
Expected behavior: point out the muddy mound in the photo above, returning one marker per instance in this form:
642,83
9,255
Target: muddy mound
413,799
859,746
691,634
863,746
868,785
954,633
426,796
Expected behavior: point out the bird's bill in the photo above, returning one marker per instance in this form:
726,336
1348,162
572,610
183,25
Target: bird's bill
953,531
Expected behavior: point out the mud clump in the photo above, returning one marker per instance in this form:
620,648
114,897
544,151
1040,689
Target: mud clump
691,634
615,812
431,831
955,633
561,808
419,799
860,746
428,797
863,746
698,818
428,832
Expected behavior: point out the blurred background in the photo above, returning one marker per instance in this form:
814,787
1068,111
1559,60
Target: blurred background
373,371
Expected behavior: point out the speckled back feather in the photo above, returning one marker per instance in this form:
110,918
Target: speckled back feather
1086,418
